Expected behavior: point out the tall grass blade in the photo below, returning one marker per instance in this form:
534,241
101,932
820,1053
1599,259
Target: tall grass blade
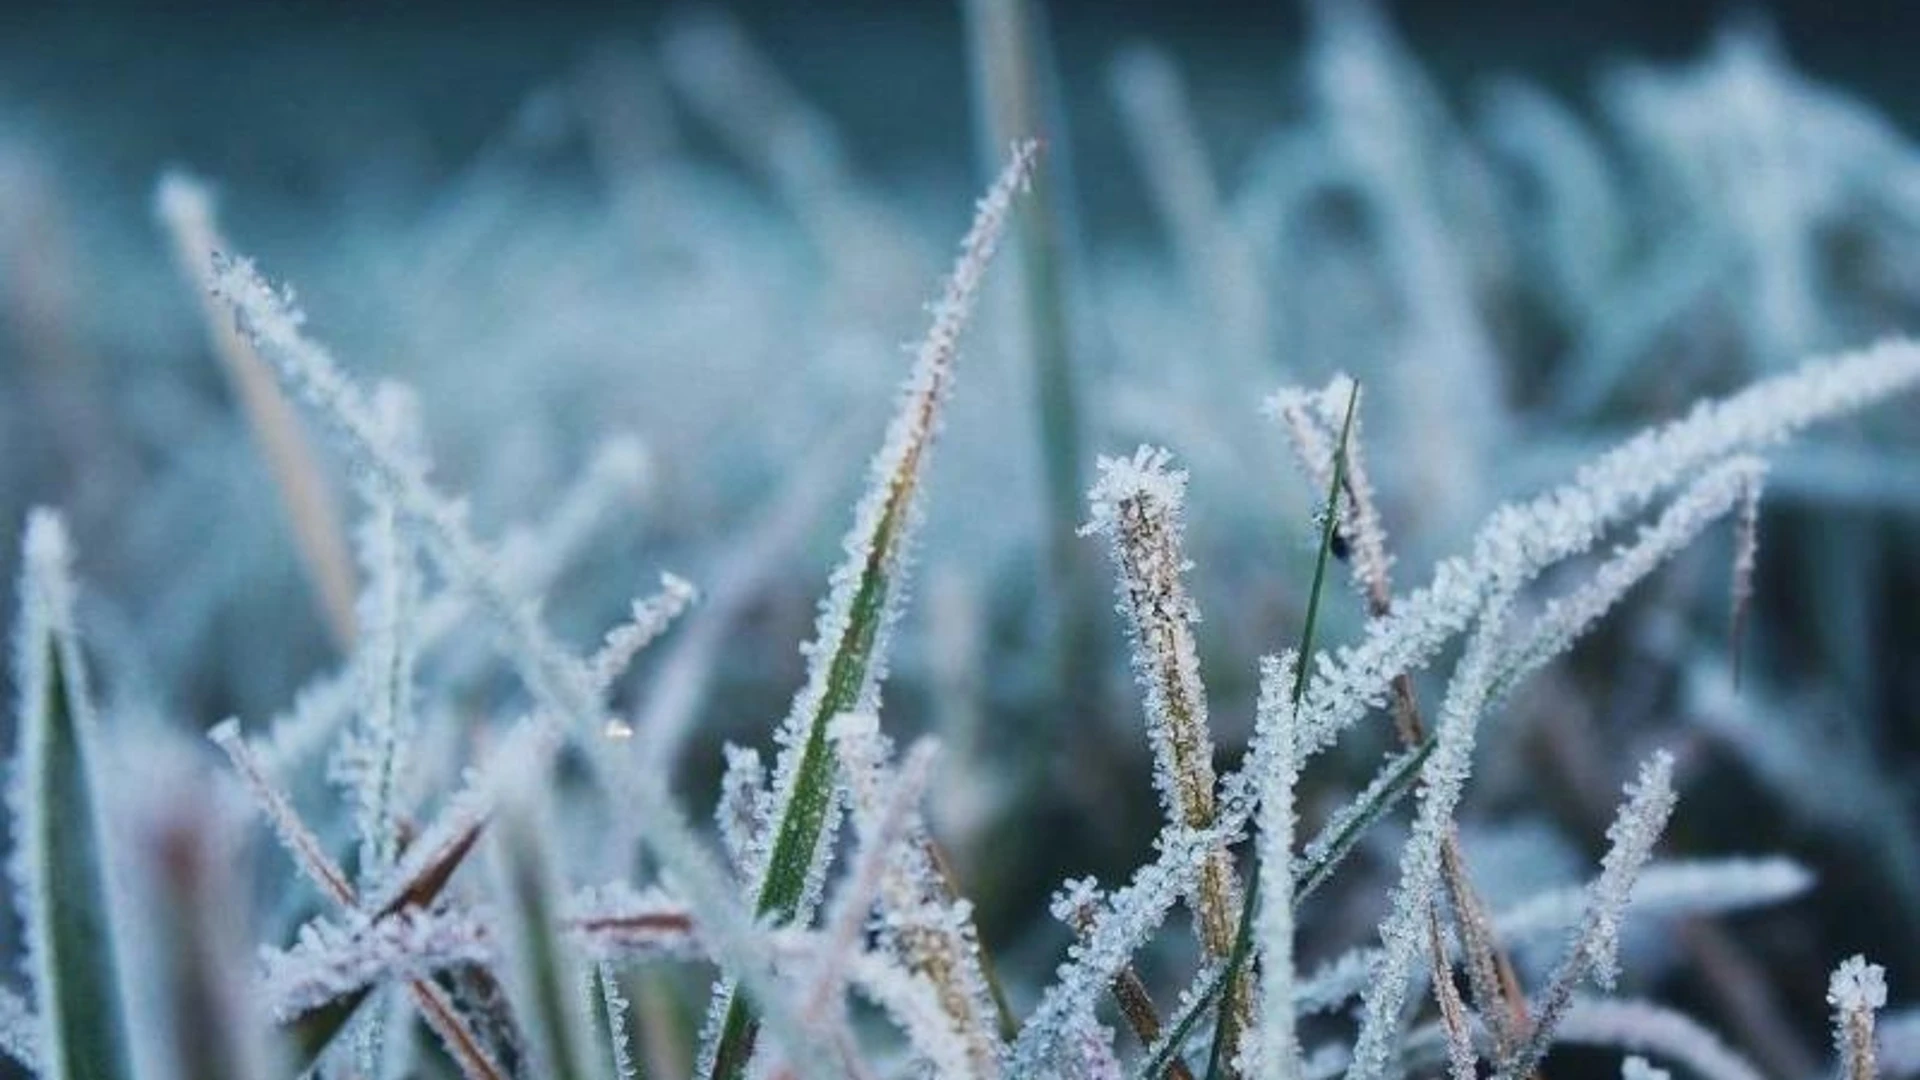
62,862
1225,1035
848,655
608,1009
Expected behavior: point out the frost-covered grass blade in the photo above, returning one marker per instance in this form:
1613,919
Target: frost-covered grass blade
63,864
1225,1036
848,657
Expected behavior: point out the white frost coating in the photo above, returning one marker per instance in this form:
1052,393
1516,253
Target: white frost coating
330,958
1566,618
1595,948
884,811
1138,503
914,1003
529,560
1345,819
614,921
884,819
651,617
1746,556
1278,1043
887,517
1518,541
615,1006
918,922
1856,991
373,761
465,813
1192,997
1628,1024
1680,887
1402,936
1336,982
45,625
876,550
185,207
744,567
269,318
556,679
744,805
1313,420
307,851
1120,925
1093,1056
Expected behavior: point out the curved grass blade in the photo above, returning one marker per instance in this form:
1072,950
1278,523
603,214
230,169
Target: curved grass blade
857,613
74,957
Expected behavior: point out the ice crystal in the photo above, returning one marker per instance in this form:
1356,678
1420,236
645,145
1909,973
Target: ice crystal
1857,991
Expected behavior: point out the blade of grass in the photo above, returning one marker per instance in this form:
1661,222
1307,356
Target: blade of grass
857,613
74,956
1226,1033
612,1027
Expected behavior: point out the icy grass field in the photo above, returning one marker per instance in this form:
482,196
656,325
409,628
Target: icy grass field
379,666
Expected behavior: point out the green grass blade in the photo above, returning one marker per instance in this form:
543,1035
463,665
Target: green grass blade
857,612
1224,1034
790,862
1388,790
76,968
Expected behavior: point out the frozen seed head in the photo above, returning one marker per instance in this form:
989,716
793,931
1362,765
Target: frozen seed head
1857,985
1856,991
1143,480
1137,504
